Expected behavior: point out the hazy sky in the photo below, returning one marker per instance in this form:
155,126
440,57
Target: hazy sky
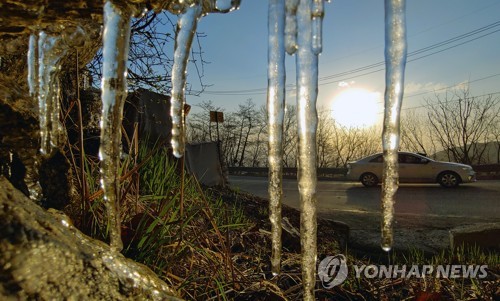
353,38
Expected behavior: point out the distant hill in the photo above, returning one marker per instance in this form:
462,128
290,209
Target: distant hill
491,153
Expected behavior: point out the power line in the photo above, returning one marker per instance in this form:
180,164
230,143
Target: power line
423,50
452,100
446,88
290,87
452,86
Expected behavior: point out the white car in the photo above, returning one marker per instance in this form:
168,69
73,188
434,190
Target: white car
413,168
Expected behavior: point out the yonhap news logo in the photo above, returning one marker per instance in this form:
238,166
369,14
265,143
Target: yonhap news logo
333,271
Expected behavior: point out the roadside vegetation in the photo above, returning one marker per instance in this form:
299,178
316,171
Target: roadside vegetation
214,243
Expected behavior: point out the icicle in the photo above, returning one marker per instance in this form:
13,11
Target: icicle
225,6
50,52
186,27
307,92
317,26
395,57
291,26
114,91
33,64
275,116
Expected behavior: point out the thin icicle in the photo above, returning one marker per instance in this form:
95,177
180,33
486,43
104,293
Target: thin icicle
116,38
291,26
33,64
307,92
186,27
317,26
275,116
50,52
395,57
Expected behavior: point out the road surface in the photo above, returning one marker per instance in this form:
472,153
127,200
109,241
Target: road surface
424,213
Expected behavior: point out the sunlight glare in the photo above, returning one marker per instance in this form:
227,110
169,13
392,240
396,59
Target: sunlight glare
357,108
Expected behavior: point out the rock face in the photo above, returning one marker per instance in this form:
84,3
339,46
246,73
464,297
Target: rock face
43,257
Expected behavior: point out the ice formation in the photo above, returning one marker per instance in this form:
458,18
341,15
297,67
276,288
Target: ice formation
116,38
301,34
275,116
44,58
395,57
291,26
295,26
186,28
307,120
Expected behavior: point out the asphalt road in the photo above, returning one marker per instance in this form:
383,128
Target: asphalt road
424,213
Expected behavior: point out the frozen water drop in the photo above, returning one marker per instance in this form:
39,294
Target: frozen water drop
225,6
386,246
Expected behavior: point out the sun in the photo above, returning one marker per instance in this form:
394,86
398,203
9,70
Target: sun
356,108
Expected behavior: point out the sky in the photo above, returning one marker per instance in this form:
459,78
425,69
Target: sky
353,38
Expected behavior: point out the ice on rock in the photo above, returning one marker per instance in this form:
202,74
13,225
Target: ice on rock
33,64
186,28
395,57
275,116
43,79
116,38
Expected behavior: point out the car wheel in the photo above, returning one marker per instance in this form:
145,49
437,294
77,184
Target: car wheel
369,180
449,179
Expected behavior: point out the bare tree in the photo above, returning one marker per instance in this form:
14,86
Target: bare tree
350,143
290,137
495,137
460,123
247,115
151,45
258,151
324,137
199,127
415,130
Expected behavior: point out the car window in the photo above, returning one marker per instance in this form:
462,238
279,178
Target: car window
409,159
378,159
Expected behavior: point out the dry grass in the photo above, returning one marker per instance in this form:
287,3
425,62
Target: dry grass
214,243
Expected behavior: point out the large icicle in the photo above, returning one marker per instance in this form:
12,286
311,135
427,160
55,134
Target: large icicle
307,92
186,27
275,116
395,57
116,38
50,53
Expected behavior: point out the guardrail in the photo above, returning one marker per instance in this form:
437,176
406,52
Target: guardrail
290,172
487,171
484,172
